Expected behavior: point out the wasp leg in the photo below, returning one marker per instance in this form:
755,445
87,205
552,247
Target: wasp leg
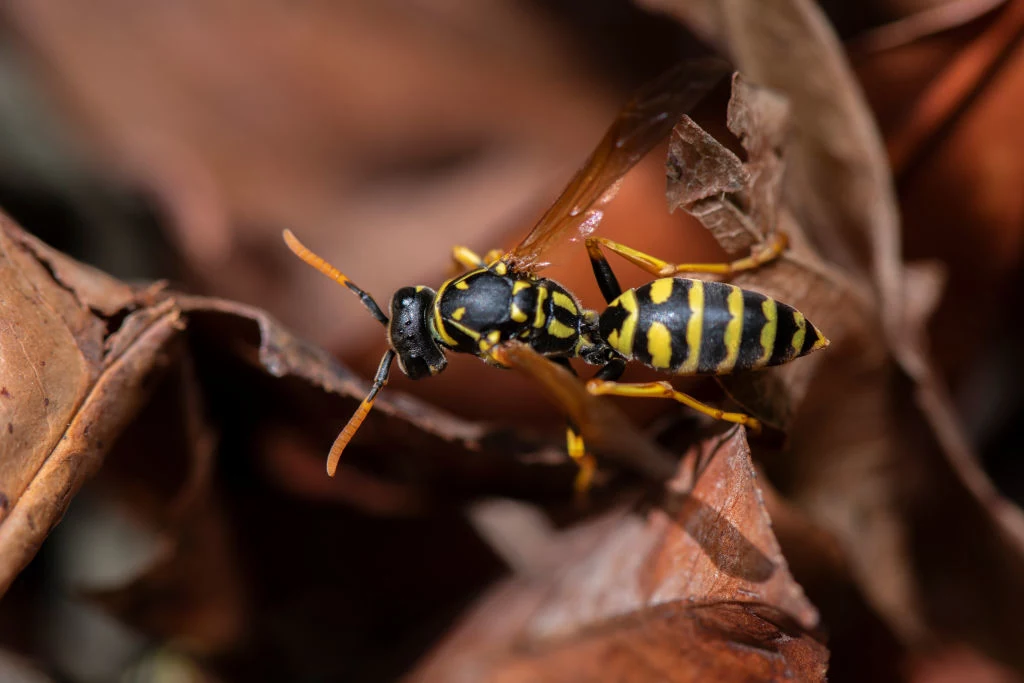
576,447
760,255
578,452
574,441
469,259
606,280
599,387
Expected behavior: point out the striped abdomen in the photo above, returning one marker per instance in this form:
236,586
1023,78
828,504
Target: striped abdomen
691,327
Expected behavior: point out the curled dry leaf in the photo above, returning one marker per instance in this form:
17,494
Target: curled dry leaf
76,395
899,474
742,214
703,178
737,201
68,385
282,354
838,185
515,464
692,588
948,106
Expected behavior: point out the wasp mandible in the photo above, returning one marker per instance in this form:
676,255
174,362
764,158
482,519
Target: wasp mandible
676,325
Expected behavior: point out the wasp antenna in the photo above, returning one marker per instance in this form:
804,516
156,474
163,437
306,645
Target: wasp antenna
300,250
354,422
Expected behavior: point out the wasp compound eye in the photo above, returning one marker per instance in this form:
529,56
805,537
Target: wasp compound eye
419,354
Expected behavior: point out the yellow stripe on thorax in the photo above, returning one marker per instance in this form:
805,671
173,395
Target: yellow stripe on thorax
768,332
471,333
621,338
562,301
693,328
659,345
439,326
560,330
491,341
518,315
733,330
542,294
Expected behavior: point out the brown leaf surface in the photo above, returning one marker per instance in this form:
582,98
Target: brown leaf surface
692,588
743,215
950,116
67,388
521,464
838,185
875,462
939,102
114,391
874,405
702,178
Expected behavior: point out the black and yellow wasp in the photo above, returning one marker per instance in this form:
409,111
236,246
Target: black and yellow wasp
677,325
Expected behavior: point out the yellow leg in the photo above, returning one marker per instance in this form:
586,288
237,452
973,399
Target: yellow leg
600,387
760,255
469,259
578,452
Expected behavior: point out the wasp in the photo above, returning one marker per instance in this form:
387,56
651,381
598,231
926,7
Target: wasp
673,324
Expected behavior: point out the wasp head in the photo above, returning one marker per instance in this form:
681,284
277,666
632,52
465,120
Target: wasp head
419,354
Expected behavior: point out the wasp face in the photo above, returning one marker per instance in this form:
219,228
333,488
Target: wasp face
419,354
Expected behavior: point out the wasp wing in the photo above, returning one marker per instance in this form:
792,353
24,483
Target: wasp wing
645,120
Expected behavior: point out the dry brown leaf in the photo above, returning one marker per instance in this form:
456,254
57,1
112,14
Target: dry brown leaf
742,217
67,387
864,463
466,458
837,185
694,588
118,390
940,102
703,178
875,407
219,577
